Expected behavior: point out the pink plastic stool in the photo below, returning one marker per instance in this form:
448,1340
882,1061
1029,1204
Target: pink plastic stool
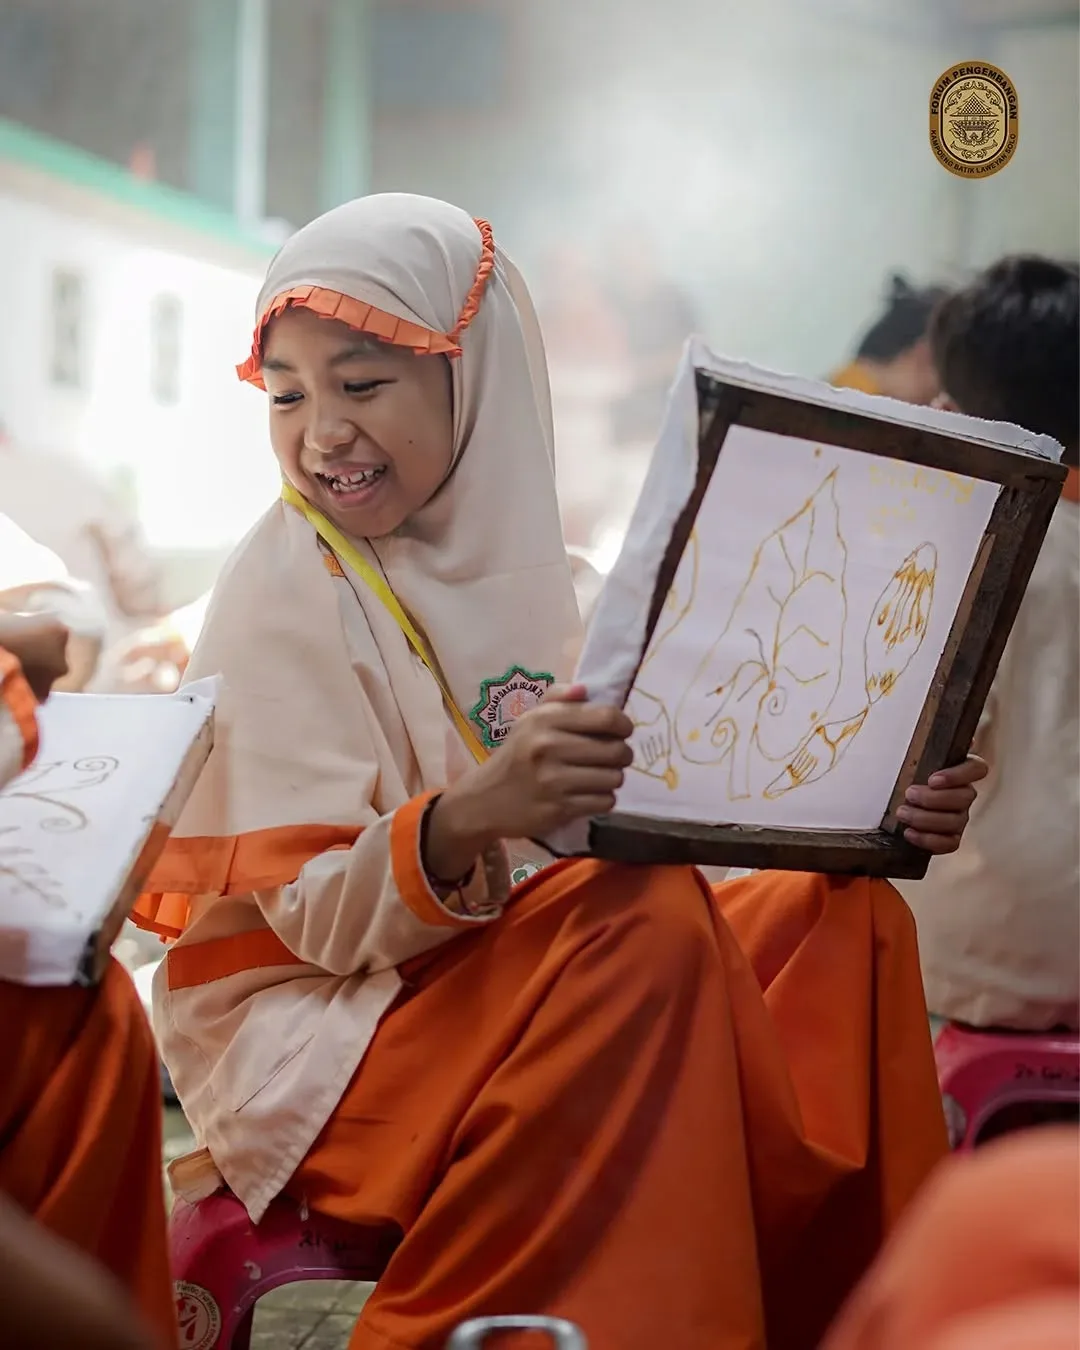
982,1072
224,1263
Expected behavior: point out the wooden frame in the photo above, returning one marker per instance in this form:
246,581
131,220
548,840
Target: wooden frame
145,852
988,607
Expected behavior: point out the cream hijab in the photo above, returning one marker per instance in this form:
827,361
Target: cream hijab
480,570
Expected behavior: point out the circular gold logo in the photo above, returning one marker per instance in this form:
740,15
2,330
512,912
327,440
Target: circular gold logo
974,119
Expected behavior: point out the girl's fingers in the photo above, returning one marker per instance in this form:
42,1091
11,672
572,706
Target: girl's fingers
587,719
933,843
585,782
566,693
973,770
596,804
586,752
949,823
940,799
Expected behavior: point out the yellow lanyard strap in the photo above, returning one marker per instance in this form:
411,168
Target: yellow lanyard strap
349,553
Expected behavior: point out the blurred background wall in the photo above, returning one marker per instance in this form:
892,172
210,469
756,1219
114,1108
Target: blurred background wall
772,159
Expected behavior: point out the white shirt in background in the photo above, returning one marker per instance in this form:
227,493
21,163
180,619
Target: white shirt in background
999,921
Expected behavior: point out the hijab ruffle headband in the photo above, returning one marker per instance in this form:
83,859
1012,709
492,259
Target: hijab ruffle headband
367,319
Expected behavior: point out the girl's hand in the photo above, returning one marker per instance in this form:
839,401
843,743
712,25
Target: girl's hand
562,761
937,815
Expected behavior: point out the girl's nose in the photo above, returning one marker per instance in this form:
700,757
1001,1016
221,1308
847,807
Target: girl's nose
328,435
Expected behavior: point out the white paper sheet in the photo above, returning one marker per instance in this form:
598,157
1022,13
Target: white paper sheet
878,535
787,674
73,825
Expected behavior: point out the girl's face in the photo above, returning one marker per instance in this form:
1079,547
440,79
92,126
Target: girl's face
363,429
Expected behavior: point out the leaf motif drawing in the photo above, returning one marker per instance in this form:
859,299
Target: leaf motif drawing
899,620
895,630
806,660
678,601
777,665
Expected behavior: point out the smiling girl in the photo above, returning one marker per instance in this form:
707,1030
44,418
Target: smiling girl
599,1092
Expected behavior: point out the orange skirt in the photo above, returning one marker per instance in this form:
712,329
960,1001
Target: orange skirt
671,1117
80,1130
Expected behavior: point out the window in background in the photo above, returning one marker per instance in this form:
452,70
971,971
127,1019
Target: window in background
25,63
428,59
166,321
67,329
437,56
110,77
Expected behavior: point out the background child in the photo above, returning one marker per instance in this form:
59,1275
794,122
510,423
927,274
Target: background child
986,1259
999,922
893,356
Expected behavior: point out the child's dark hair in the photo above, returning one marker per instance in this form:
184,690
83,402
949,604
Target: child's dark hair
1007,347
904,322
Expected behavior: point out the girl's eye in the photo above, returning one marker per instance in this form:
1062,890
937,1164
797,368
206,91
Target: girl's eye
363,386
282,400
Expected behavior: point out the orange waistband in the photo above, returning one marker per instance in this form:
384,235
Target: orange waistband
187,967
21,704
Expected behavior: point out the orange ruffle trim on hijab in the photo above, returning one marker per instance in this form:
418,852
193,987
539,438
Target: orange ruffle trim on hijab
366,318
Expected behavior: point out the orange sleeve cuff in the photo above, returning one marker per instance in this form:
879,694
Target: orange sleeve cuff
482,897
20,703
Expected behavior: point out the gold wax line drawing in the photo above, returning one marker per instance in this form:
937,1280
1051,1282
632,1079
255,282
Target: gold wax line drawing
679,599
651,739
894,633
793,607
772,708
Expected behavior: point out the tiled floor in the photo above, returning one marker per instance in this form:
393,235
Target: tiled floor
316,1316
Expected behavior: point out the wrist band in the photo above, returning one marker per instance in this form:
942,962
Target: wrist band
437,884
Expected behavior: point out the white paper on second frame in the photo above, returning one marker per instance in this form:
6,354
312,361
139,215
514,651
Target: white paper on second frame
71,823
791,663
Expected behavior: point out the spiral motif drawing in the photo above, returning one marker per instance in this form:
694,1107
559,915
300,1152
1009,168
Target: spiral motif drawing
71,822
775,702
105,765
24,870
95,769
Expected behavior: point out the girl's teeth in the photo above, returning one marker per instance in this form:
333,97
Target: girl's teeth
347,482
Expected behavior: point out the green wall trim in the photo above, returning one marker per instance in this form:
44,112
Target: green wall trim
66,162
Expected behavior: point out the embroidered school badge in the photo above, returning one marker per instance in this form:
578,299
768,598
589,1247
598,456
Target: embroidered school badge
503,700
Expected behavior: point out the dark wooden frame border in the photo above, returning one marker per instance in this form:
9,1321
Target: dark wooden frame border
98,950
969,661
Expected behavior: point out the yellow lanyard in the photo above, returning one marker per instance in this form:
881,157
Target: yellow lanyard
374,582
